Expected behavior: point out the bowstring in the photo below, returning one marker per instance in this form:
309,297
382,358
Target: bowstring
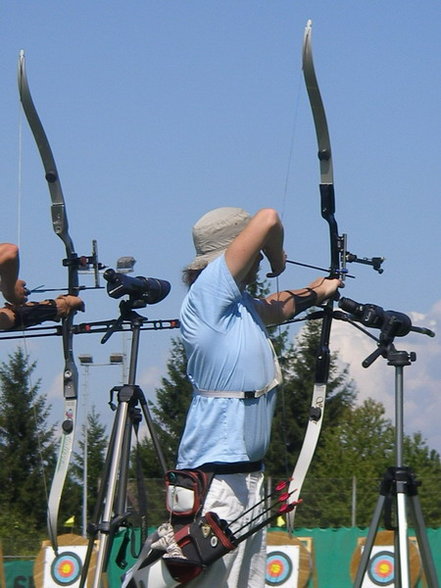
292,141
19,175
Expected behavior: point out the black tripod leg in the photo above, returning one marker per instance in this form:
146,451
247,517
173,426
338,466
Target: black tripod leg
423,542
151,427
366,553
121,501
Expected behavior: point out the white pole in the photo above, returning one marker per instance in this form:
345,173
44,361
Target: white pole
86,380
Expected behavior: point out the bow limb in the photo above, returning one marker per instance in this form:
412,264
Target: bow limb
337,269
337,250
61,228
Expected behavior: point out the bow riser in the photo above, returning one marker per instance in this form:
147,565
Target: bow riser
327,198
323,358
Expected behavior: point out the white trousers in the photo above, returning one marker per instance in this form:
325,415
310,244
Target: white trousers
244,567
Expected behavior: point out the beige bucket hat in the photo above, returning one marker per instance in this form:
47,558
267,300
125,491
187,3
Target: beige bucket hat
214,231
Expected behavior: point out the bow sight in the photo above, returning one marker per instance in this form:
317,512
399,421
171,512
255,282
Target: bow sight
374,262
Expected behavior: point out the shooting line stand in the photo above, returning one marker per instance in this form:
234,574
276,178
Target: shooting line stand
398,492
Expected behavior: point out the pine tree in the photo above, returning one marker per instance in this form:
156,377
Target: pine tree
27,451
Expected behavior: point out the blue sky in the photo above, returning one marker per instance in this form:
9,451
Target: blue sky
158,111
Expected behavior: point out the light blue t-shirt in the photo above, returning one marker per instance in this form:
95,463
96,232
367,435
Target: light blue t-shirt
227,349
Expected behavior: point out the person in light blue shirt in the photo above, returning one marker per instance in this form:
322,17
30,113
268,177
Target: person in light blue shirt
234,372
226,430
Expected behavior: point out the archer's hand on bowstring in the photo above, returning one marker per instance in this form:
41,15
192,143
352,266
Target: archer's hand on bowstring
278,264
18,294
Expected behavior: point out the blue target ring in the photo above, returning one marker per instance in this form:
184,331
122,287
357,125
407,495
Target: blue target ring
381,568
278,568
66,568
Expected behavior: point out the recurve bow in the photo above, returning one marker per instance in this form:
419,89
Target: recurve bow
339,256
61,228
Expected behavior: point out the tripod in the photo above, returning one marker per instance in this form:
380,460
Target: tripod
398,490
110,511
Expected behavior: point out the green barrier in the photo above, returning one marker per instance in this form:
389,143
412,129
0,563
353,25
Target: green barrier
18,573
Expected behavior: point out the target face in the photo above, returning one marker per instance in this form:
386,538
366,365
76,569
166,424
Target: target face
278,568
66,568
381,568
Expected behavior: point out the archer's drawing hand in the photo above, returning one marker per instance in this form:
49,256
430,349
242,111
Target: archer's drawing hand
277,266
18,295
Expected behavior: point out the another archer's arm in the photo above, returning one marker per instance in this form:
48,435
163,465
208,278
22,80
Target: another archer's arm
12,288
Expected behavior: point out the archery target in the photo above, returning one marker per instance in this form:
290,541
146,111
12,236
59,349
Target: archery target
381,566
282,565
65,568
380,569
